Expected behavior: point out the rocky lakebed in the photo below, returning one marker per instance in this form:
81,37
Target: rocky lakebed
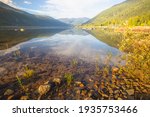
51,77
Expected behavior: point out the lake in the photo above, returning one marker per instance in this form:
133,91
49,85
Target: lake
54,54
69,43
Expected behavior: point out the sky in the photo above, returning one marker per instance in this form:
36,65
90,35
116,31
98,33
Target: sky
63,8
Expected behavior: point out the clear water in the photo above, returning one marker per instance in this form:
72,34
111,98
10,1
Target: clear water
69,43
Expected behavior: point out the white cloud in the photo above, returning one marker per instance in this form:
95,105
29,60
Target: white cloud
67,8
37,12
76,8
27,2
7,1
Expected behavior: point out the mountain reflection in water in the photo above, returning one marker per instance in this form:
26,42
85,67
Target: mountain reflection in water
70,43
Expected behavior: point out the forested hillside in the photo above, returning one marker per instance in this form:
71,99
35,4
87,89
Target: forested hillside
10,16
130,13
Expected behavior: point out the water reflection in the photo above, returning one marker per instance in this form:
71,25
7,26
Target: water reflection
107,36
70,43
9,38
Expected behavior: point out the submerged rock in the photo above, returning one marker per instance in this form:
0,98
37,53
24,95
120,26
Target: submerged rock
115,70
10,97
120,98
78,83
147,86
24,98
57,80
130,92
46,83
2,69
43,89
81,85
144,91
88,98
8,92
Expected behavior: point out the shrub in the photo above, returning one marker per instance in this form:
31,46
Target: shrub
137,57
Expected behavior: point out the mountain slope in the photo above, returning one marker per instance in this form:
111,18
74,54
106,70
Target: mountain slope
130,12
74,21
10,16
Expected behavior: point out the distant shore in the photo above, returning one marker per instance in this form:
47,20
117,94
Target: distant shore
31,27
119,29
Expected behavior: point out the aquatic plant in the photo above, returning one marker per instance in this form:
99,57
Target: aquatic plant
74,62
28,72
22,86
69,78
20,83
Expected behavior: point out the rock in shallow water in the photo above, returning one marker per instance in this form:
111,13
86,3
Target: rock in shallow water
130,92
8,92
10,97
2,70
43,89
120,98
57,80
24,98
115,70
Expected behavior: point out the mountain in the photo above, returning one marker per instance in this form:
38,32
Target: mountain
130,13
74,21
10,16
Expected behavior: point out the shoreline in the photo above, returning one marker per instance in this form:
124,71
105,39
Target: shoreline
31,27
145,29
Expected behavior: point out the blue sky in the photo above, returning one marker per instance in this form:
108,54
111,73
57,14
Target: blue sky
63,8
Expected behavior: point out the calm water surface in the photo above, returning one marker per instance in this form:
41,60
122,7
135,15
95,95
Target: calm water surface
69,43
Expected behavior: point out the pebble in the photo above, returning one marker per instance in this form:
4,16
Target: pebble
83,92
24,98
43,89
116,92
144,91
8,92
135,84
116,96
81,85
137,80
78,92
90,94
88,98
57,80
2,70
10,97
120,98
78,83
110,91
115,69
130,92
148,86
90,80
46,83
137,89
105,96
